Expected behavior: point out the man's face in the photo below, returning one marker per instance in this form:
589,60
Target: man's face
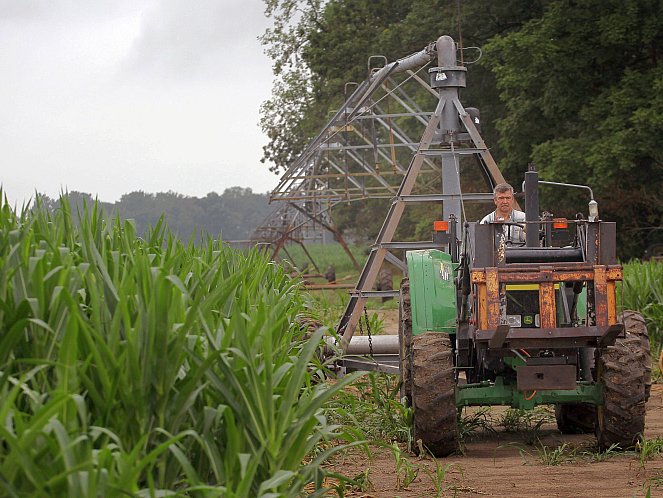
504,203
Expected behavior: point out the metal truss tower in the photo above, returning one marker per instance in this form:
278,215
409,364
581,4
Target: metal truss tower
451,133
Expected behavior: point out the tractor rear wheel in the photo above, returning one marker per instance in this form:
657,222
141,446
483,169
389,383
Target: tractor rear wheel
405,342
623,370
434,394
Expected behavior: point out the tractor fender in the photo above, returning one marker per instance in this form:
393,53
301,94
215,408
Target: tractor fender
432,291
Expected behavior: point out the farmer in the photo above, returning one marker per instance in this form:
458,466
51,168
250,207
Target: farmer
504,213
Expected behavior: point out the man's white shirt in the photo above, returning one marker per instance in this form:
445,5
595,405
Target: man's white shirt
512,232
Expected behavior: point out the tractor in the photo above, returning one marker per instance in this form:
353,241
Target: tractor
490,321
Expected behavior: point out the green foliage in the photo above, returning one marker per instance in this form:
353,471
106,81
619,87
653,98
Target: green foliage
327,44
548,456
475,421
643,292
649,448
143,366
601,456
580,88
529,422
439,475
371,406
554,456
406,471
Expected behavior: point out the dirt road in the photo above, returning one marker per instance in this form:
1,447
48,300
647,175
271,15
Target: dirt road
503,464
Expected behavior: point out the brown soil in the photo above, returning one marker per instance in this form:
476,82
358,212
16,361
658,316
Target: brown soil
501,464
389,319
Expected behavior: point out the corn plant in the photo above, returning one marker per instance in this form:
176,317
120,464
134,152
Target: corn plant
147,366
643,292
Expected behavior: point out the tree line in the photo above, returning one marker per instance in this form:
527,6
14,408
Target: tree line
573,86
232,215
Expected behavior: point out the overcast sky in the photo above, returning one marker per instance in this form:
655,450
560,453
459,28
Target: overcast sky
113,96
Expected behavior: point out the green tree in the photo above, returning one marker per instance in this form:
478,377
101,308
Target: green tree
582,92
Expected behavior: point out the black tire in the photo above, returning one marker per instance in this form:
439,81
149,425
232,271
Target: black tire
575,418
635,324
434,394
622,369
385,282
405,342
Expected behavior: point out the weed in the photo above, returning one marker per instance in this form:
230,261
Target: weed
529,422
596,455
655,481
649,448
359,483
544,454
554,456
471,424
406,471
372,404
439,476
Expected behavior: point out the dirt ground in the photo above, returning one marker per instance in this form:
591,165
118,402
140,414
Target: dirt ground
502,464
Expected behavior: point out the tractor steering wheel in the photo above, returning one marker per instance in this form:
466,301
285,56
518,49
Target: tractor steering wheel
508,241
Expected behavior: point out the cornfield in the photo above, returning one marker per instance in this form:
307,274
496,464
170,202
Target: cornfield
643,292
137,366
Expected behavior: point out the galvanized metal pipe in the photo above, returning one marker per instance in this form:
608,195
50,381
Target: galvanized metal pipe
359,345
410,62
532,207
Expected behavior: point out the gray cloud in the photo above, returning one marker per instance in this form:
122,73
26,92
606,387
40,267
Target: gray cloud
179,37
112,96
71,10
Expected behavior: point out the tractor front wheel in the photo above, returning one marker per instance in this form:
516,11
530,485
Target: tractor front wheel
434,394
623,370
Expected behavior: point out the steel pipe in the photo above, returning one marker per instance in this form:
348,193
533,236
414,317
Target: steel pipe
381,344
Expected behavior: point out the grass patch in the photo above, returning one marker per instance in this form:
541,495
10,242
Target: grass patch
648,449
519,420
371,405
477,421
325,255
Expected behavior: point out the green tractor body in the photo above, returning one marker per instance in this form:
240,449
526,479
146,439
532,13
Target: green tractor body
433,297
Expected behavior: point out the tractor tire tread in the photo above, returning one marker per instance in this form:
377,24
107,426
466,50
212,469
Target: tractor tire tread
635,324
434,394
622,371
